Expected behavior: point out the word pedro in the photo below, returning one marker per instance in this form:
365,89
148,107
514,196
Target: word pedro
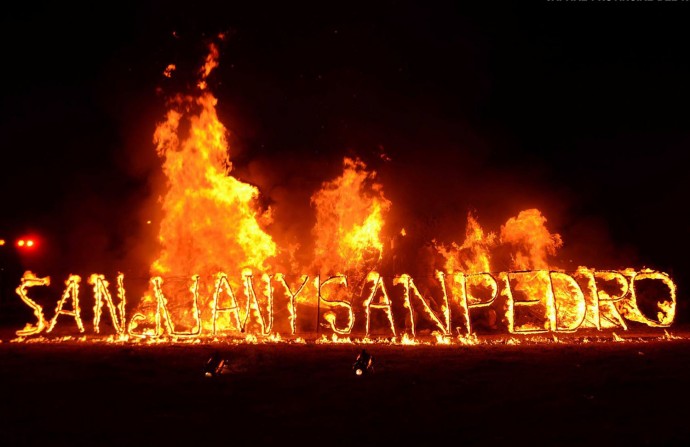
526,302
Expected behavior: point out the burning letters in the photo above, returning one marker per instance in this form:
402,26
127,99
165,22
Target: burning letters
389,307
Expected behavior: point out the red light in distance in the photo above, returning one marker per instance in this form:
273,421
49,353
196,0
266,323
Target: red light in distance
26,243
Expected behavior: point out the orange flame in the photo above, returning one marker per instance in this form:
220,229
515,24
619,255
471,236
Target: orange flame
350,214
473,255
532,241
29,279
211,220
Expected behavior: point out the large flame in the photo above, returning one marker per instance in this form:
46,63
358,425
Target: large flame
474,254
211,221
532,241
350,211
525,236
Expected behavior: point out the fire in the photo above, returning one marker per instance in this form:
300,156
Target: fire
31,280
557,302
217,273
526,236
411,290
101,294
211,220
212,225
350,211
70,293
666,309
532,241
474,254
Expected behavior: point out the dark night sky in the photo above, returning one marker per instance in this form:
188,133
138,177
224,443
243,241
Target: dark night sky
578,108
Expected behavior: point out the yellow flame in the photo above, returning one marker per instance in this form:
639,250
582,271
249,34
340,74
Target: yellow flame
101,293
71,292
473,255
211,220
29,279
350,214
532,241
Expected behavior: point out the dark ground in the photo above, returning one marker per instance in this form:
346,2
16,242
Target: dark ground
633,392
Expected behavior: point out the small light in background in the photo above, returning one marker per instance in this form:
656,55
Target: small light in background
2,242
27,243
